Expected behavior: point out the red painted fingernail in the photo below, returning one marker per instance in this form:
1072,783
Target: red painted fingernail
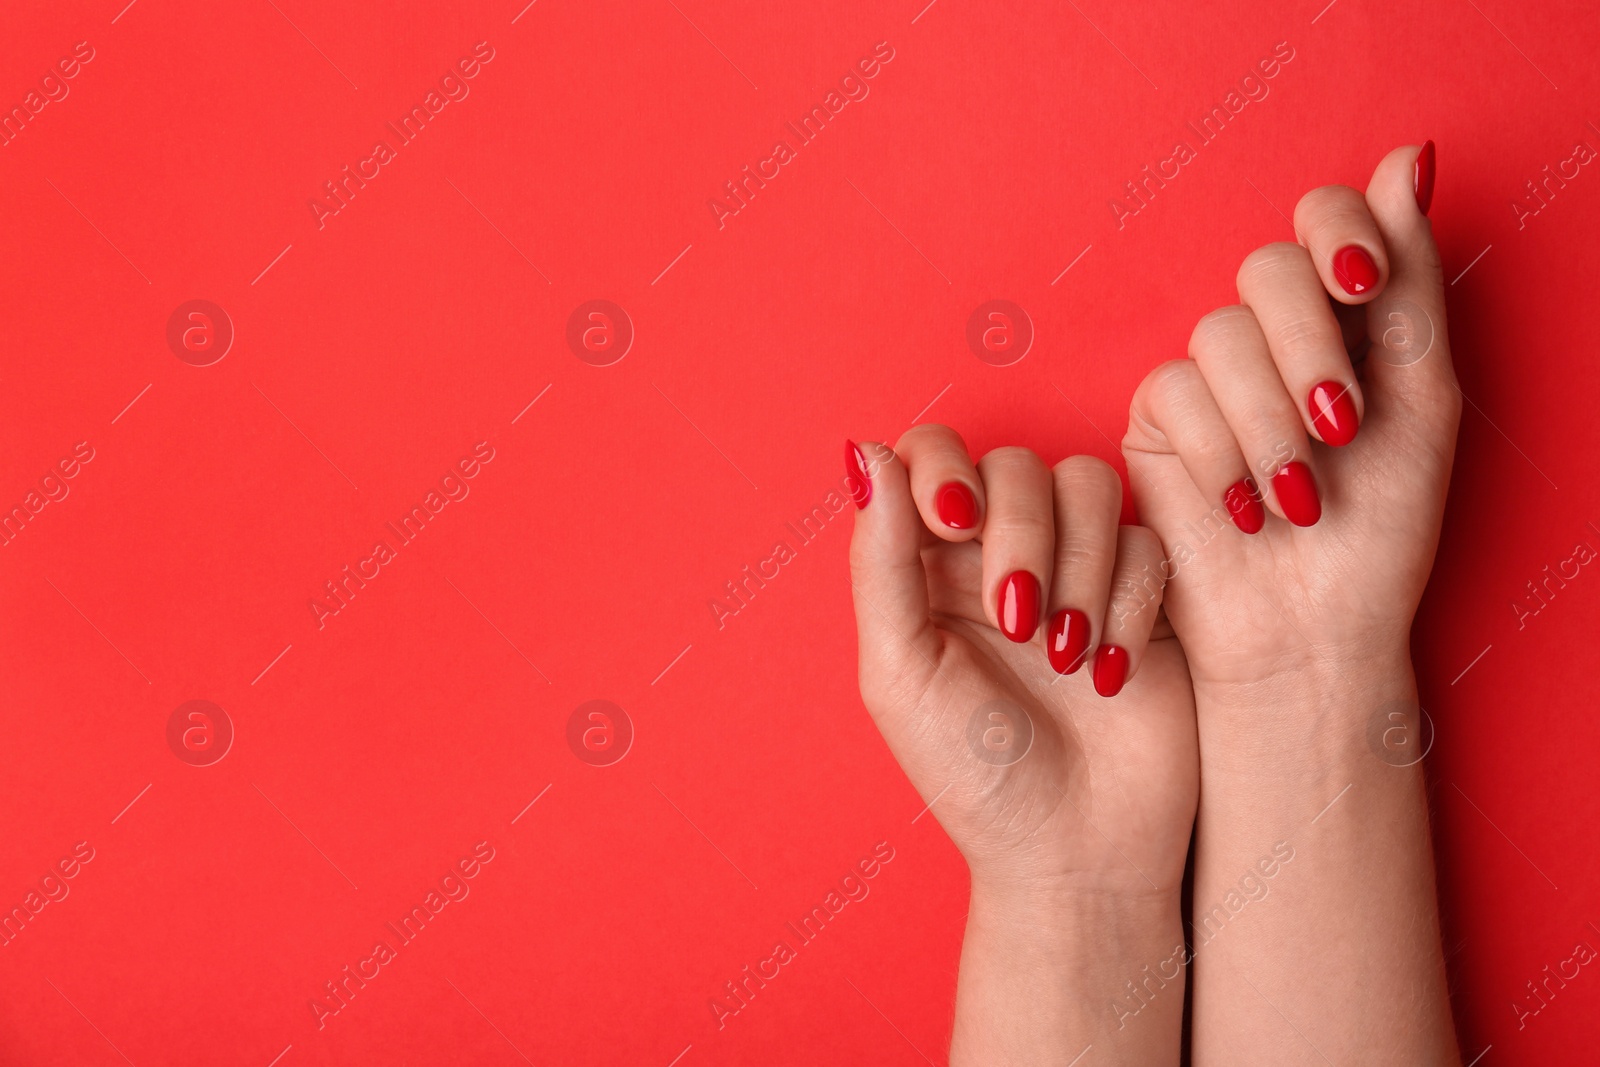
958,508
1333,412
1243,501
1110,669
1019,606
1355,269
1067,640
1422,178
1297,493
855,475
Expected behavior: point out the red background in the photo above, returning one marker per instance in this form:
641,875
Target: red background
425,316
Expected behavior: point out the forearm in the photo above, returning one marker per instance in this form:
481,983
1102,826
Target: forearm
1315,922
1046,976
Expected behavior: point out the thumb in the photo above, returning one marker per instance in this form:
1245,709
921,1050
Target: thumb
899,646
1409,374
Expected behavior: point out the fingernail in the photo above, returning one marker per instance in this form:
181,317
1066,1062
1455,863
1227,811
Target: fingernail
855,473
1019,606
1067,640
1243,501
1110,669
1297,494
1355,269
958,508
1422,178
1333,412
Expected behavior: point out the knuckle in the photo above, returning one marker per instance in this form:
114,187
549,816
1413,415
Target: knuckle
1221,328
1012,459
1271,263
1322,201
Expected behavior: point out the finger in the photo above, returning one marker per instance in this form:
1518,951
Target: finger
1174,401
1335,226
1137,583
1232,354
899,646
1409,370
1019,539
1279,283
1088,505
944,482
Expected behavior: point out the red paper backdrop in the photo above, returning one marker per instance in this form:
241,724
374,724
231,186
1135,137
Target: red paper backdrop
376,347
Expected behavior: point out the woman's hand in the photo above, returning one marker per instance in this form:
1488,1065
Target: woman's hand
979,593
1296,626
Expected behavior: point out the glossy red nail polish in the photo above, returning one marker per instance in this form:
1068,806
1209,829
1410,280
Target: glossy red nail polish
958,508
1018,608
1333,412
1422,178
1297,494
855,472
1243,501
1355,269
1110,669
1067,640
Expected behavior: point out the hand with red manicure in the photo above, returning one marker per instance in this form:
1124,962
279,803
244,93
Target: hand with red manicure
1330,385
980,591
